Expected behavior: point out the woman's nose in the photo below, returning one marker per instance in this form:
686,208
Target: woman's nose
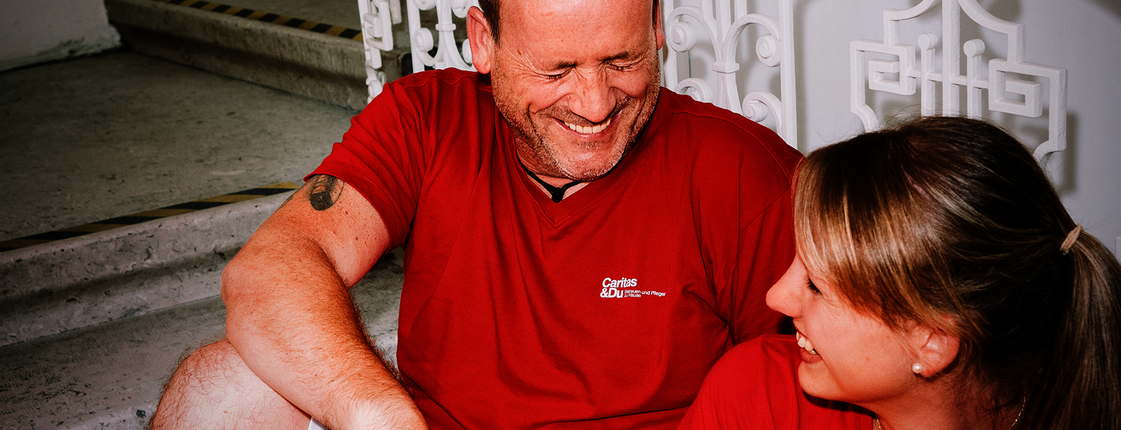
784,296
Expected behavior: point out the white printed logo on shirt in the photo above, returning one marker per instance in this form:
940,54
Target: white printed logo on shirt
625,288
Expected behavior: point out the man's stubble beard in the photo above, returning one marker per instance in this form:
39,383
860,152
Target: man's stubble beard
528,137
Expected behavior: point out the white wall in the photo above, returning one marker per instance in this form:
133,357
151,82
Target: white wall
1083,36
35,31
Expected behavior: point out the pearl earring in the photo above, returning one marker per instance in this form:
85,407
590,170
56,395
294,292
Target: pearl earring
917,368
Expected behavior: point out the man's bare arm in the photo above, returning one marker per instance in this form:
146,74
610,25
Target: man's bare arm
292,320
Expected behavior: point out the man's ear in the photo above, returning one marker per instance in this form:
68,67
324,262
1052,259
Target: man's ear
934,348
482,44
659,33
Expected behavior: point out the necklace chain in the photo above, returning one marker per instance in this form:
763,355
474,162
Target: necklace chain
879,426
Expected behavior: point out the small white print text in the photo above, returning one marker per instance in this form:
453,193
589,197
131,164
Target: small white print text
624,287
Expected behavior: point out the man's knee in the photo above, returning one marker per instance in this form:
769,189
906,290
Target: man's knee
201,382
214,388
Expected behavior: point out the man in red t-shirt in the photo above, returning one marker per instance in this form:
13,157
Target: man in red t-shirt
581,245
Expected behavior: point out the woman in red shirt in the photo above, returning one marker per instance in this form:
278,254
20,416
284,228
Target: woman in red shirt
939,283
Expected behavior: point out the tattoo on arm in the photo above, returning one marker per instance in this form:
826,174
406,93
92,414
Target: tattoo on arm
324,191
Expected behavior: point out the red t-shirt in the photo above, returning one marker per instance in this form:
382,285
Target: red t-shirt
604,310
755,387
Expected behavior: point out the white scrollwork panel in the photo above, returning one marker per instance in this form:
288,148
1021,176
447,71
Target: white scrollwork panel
377,36
1010,76
721,22
693,87
448,53
719,25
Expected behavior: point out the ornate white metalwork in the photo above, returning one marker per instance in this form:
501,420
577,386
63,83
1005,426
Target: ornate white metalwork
902,75
723,23
377,36
713,19
421,39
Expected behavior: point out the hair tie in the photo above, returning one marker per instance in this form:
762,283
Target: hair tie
1071,238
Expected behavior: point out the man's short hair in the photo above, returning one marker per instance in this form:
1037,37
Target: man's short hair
490,12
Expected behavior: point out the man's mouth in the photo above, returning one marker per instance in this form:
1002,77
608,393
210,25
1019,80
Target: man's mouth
593,129
805,343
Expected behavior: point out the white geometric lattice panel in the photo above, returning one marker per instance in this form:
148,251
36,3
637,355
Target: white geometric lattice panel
913,68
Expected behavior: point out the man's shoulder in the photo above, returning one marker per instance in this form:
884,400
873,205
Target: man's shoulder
449,94
721,133
442,79
683,112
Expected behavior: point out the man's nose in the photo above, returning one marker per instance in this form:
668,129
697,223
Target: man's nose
591,97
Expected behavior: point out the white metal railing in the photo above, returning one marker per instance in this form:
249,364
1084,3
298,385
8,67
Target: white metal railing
697,31
711,31
421,40
377,36
904,74
704,47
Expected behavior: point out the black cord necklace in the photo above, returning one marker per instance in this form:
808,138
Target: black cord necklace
555,193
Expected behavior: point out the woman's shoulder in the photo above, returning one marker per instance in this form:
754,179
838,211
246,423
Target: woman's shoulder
755,386
771,347
767,359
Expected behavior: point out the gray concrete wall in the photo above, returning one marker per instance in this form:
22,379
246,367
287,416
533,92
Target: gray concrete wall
45,30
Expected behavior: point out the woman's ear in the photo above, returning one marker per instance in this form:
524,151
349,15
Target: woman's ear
935,349
482,44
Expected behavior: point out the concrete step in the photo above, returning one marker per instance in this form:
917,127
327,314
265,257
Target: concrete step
321,60
91,326
90,141
110,376
125,271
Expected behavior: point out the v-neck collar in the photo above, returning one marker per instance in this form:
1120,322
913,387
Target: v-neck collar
585,198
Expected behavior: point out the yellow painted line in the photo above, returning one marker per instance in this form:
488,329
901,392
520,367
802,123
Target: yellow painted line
22,243
256,15
160,213
230,198
284,185
92,228
155,213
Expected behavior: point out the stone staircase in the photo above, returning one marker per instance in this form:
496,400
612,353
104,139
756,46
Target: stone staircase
295,54
94,318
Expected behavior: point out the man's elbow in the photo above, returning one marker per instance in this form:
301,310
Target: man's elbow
234,276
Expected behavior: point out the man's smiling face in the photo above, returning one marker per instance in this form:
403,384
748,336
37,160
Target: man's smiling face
577,80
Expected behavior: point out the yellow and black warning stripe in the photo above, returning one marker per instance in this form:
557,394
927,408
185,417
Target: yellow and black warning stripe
140,217
272,18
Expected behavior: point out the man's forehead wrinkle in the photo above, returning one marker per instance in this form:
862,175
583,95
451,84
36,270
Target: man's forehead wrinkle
533,59
550,24
527,58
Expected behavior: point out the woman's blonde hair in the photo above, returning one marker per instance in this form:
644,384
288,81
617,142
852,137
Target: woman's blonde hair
952,217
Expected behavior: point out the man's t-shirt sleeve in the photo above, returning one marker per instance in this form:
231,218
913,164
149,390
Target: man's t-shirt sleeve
374,155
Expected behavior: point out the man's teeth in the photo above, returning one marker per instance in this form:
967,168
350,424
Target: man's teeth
805,343
588,130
